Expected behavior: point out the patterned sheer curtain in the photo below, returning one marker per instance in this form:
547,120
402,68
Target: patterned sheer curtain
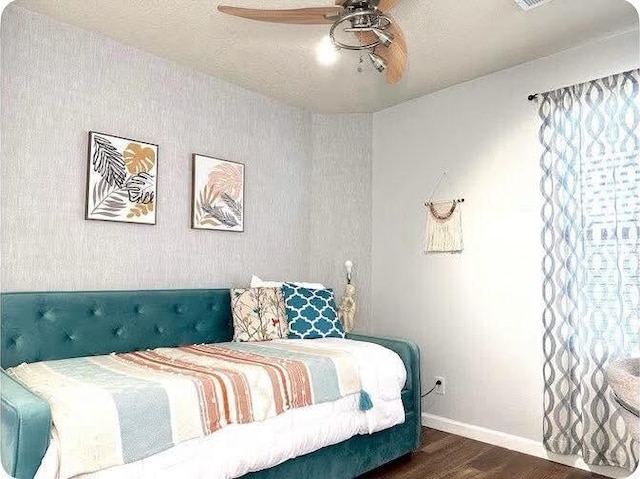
590,184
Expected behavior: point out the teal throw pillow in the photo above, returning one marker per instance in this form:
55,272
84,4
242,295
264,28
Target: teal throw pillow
311,313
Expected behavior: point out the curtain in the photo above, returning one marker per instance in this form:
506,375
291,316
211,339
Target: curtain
591,208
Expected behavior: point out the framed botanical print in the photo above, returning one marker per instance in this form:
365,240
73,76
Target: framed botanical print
218,194
121,179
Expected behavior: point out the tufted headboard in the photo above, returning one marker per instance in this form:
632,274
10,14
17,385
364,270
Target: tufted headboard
43,326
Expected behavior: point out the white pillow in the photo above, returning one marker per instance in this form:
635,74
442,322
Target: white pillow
258,283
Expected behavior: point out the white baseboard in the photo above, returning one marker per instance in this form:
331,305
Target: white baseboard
516,443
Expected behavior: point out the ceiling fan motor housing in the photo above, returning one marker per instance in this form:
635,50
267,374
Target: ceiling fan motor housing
363,22
360,4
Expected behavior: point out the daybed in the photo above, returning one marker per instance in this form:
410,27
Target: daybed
57,325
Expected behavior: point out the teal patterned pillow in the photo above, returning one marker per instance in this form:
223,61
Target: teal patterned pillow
311,313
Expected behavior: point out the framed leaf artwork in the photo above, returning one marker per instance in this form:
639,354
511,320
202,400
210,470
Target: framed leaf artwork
218,194
121,179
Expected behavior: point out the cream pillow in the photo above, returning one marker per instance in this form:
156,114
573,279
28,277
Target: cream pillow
258,283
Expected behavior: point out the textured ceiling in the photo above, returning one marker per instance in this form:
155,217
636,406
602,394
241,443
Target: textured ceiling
450,41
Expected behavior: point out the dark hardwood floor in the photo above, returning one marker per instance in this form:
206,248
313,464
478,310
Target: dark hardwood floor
445,456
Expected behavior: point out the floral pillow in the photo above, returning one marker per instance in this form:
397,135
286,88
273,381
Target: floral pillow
258,314
311,313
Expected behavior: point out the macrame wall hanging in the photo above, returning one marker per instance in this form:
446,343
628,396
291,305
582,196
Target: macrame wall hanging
444,224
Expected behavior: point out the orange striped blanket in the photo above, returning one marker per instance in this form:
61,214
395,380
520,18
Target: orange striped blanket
115,409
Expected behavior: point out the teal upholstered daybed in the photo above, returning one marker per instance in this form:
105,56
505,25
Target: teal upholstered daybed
47,326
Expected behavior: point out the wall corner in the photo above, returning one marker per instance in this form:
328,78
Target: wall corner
636,5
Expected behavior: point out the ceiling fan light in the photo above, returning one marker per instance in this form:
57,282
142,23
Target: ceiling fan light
386,39
326,52
378,62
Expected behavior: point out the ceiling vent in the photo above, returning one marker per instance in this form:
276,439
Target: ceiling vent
529,4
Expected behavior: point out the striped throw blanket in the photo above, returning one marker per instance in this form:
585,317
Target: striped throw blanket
115,409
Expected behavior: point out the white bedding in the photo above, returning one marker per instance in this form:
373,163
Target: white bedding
238,449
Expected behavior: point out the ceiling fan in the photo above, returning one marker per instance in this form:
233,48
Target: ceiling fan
360,25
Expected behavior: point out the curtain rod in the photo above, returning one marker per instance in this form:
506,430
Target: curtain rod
534,96
430,203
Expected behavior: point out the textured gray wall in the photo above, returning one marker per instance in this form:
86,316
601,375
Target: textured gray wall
59,82
341,204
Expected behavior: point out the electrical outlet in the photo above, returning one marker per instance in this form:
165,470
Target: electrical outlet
440,388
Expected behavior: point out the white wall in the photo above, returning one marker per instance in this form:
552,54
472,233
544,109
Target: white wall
59,82
476,315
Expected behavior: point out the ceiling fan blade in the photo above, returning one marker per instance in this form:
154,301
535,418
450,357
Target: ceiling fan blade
296,16
386,5
366,38
395,55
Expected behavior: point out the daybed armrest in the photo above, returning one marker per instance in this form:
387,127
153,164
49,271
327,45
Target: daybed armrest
410,355
24,428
